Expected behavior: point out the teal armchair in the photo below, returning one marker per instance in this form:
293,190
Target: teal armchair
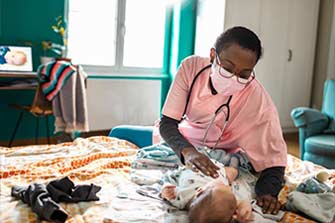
317,129
137,134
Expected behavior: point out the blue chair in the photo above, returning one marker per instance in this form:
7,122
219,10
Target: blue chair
317,129
139,135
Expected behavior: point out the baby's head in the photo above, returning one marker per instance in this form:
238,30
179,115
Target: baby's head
16,58
214,203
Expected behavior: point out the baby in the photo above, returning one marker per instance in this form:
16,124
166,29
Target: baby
206,199
12,57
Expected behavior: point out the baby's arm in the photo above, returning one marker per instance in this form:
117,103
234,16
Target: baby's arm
244,211
180,199
169,192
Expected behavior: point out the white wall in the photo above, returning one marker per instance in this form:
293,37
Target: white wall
287,29
250,17
113,102
331,58
323,46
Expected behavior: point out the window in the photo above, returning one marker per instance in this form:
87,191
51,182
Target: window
117,35
210,24
92,32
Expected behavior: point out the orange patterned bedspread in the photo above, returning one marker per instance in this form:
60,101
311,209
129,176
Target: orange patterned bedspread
104,161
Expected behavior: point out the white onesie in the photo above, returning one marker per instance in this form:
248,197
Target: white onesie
188,181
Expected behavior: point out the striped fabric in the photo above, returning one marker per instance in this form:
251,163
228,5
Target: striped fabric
53,76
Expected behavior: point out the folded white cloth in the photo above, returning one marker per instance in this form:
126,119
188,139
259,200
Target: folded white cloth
145,177
320,207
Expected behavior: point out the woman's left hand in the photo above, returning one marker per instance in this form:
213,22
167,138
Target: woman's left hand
269,204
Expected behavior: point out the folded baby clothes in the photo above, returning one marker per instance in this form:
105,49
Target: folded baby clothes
158,152
312,185
320,207
158,156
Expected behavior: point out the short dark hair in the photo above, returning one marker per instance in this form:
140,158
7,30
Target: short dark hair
242,36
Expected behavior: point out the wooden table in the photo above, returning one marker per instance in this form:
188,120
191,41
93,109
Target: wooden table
18,76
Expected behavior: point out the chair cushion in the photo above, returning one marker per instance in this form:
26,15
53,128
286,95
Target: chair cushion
321,144
331,128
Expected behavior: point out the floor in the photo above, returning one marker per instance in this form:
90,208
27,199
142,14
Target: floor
292,141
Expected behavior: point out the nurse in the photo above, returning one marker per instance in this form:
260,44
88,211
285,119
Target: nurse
218,103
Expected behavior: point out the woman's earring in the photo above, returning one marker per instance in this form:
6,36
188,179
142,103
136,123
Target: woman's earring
212,55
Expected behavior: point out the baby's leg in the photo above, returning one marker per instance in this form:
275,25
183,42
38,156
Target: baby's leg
234,161
231,173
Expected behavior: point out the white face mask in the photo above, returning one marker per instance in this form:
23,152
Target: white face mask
223,85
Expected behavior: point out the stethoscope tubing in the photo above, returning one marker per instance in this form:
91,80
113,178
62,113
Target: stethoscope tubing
218,110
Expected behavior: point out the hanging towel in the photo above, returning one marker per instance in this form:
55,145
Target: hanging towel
70,105
64,84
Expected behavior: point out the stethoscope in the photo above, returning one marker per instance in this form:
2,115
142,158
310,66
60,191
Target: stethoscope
218,110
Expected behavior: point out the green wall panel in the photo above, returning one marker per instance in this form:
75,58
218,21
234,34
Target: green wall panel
10,115
31,20
183,29
24,21
186,29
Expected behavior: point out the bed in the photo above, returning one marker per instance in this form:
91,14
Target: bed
104,161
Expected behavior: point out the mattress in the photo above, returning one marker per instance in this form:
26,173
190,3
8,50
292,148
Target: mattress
104,161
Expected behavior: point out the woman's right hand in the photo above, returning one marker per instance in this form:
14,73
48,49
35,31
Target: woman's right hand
199,161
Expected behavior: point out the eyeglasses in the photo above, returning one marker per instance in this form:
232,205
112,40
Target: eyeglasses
243,77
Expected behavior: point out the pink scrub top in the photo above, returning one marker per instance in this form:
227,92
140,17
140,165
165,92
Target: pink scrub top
253,124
